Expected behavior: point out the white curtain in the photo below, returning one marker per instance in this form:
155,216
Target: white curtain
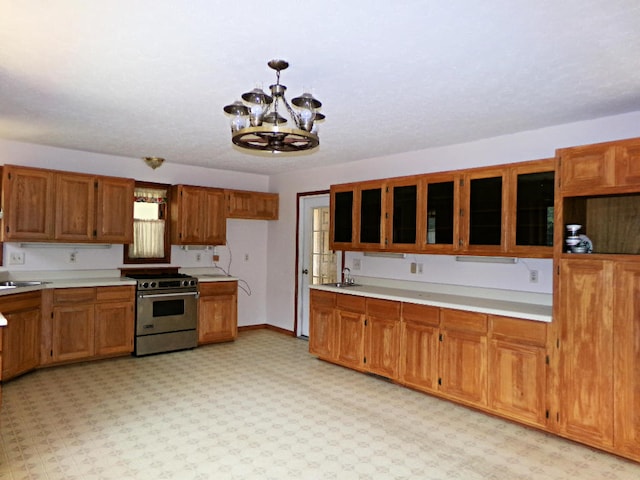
148,239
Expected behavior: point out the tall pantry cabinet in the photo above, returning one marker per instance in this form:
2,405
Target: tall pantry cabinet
597,298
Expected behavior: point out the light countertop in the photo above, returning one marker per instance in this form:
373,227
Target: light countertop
489,304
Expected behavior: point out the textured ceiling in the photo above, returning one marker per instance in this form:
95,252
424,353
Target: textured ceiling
150,77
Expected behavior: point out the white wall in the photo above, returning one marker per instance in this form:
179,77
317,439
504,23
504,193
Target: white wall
518,147
244,237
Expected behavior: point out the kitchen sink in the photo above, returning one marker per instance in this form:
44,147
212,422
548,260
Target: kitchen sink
342,284
12,284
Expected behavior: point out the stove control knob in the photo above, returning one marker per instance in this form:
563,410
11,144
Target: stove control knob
145,285
192,283
185,283
153,284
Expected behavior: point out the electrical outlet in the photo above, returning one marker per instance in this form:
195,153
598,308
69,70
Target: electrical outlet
533,276
413,267
73,256
420,268
198,257
16,258
356,264
246,257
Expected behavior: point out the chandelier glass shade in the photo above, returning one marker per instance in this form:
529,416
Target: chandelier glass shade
257,123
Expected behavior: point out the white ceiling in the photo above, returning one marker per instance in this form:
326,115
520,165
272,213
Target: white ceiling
150,77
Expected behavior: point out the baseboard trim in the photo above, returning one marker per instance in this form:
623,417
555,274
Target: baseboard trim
265,326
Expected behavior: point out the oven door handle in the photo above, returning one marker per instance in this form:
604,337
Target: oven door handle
165,295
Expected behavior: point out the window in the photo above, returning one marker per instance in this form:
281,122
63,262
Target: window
151,241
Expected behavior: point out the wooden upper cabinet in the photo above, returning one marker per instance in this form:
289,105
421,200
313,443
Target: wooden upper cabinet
197,216
75,207
439,231
370,206
342,230
602,168
403,214
530,216
93,208
252,205
114,210
483,212
27,203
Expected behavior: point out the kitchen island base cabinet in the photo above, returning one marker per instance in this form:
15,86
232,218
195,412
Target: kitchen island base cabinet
20,343
217,312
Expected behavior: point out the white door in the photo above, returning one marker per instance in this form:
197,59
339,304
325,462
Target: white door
317,264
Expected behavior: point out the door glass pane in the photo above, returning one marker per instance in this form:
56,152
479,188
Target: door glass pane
534,212
370,215
485,222
343,217
404,214
440,213
323,260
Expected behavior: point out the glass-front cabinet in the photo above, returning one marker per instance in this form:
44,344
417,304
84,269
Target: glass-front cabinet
531,195
370,205
404,201
442,206
342,228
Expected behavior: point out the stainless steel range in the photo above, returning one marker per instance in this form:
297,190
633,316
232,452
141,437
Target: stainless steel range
166,313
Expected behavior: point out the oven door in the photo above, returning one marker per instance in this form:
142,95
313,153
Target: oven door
166,312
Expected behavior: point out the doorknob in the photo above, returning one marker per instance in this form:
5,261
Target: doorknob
305,271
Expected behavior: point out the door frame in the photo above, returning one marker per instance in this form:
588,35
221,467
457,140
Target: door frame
297,278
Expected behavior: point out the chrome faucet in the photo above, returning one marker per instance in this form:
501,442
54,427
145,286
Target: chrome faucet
346,272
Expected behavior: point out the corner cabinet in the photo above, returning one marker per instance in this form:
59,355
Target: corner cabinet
217,312
198,216
52,206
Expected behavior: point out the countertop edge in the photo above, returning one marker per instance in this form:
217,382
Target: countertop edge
525,311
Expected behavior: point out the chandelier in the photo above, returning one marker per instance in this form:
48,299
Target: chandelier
256,123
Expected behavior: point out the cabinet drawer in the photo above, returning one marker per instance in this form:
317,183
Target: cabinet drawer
107,294
463,321
518,330
351,303
425,314
217,288
387,309
322,299
74,295
17,302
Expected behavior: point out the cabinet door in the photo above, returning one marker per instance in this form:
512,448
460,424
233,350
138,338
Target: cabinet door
187,215
217,312
72,332
483,217
370,207
517,369
28,203
382,337
440,230
114,328
322,324
114,210
419,346
215,222
585,168
350,338
252,205
531,216
21,343
463,356
342,229
586,350
626,327
404,198
75,207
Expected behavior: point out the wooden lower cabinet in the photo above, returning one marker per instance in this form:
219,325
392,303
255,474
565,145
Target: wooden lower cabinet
463,356
217,312
518,369
626,340
322,324
420,330
382,337
350,314
88,322
20,343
